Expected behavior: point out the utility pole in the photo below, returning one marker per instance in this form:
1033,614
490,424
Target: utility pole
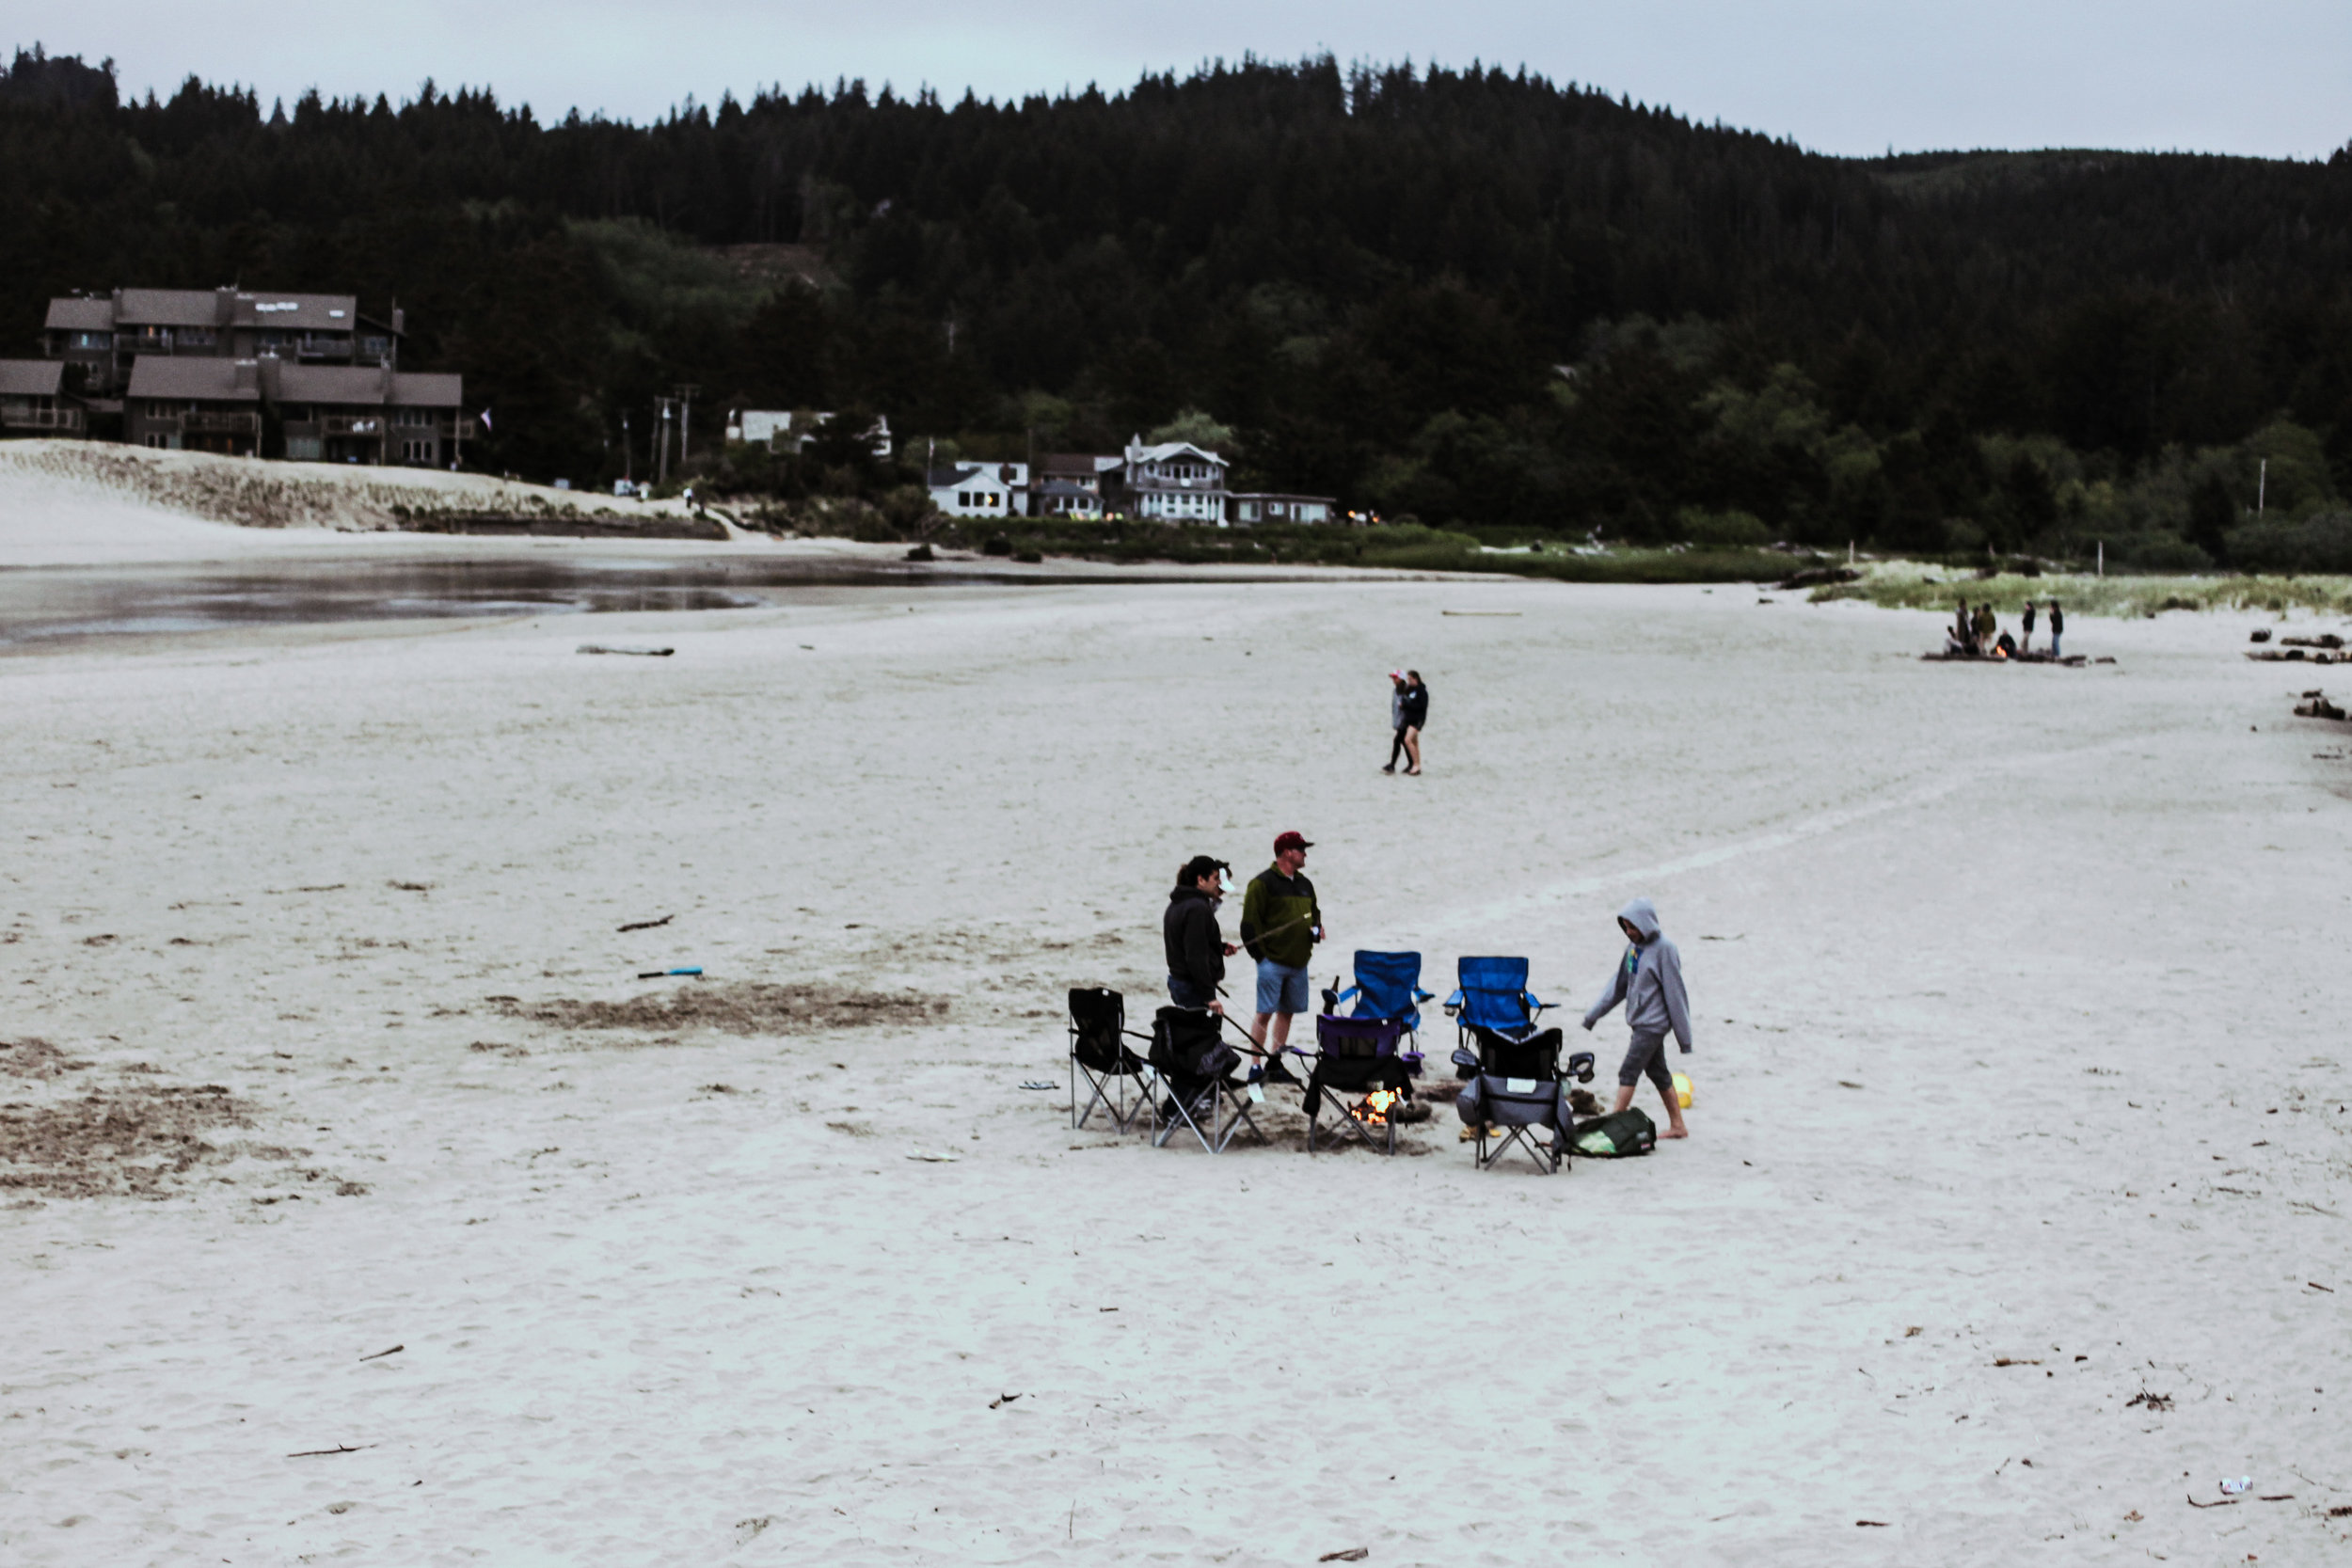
684,391
2262,487
628,470
661,440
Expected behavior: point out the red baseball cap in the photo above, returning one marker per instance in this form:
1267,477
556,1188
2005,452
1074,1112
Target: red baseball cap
1292,840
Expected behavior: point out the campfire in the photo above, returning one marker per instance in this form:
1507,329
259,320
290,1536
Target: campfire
1376,1106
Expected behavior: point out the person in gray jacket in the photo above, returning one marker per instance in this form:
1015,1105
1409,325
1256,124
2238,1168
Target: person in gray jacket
1648,980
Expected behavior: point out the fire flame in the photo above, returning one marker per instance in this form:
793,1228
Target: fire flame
1376,1111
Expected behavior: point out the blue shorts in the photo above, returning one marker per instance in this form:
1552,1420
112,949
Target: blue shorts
1280,988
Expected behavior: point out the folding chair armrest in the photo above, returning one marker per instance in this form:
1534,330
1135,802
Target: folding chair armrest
1352,991
1454,1003
1420,995
1535,1004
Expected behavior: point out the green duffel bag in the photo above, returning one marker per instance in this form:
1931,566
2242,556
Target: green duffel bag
1616,1136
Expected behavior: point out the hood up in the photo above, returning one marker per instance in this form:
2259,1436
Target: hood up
1643,915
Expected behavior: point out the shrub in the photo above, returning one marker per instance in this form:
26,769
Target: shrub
2321,543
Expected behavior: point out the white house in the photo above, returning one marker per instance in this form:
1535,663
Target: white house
980,489
1255,506
1175,482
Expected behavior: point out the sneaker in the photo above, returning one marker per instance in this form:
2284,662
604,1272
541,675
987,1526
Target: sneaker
1389,768
1277,1073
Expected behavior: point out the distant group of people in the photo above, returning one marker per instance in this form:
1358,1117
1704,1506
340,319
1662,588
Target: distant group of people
1281,922
1978,632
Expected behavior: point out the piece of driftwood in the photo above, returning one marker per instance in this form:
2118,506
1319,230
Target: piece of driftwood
1503,613
340,1448
2226,1502
382,1354
648,925
1351,1554
617,648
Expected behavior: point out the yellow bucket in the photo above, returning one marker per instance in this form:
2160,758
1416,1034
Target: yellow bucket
1682,1090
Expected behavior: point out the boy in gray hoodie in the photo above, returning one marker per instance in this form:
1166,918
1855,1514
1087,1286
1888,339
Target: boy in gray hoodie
1648,980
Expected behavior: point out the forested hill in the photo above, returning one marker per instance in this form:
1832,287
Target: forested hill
1470,295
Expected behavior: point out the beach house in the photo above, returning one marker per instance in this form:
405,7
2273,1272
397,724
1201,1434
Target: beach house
980,489
1174,482
319,413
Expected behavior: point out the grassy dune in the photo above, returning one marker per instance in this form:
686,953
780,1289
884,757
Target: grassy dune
1912,585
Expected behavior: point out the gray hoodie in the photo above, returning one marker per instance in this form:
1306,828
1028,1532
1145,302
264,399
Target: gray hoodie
1648,980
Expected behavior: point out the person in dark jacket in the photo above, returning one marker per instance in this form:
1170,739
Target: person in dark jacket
1197,950
1280,924
2058,626
2024,638
1416,717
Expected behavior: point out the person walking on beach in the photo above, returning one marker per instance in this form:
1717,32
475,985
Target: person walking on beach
1416,717
1648,980
2057,626
1280,924
2025,643
1197,950
1396,717
1986,625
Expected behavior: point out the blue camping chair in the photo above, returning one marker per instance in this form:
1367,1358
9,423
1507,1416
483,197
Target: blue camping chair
1493,996
1496,1019
1388,987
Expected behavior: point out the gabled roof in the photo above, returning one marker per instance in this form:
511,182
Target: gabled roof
967,473
81,315
1082,464
206,380
1166,449
31,378
427,389
168,308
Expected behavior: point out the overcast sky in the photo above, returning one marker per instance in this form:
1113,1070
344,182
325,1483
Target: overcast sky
2266,77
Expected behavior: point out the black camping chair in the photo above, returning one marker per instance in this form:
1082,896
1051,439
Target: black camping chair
1116,1078
1358,1057
1194,1067
1516,1087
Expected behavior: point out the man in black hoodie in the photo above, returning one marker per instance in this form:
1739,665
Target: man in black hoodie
1197,950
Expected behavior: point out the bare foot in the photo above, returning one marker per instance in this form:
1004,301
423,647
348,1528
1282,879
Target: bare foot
1676,1131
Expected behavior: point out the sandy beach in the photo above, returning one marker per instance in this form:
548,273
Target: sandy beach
2017,1209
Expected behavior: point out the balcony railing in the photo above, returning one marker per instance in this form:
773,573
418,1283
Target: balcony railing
221,424
351,424
40,419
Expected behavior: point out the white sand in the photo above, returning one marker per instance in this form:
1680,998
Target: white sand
2075,935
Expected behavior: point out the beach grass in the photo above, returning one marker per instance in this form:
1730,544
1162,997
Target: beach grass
1923,585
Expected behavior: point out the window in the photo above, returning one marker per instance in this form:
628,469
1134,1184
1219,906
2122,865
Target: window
196,337
963,498
93,339
415,419
416,451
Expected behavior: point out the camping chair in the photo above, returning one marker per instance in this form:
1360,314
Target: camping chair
1507,1113
1492,999
1116,1078
1193,1062
1388,987
1358,1057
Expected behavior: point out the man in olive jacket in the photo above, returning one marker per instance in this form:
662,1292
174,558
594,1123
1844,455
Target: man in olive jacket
1280,924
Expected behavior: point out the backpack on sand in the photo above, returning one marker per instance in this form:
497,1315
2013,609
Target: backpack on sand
1617,1136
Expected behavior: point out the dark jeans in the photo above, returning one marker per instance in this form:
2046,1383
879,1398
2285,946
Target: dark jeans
1396,748
1189,993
